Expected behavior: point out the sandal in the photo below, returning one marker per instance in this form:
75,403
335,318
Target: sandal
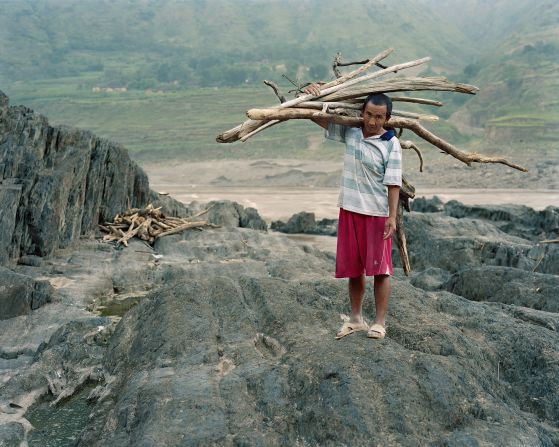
350,327
377,331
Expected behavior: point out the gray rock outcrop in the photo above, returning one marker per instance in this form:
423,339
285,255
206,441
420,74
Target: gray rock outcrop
19,294
230,336
306,223
57,183
242,352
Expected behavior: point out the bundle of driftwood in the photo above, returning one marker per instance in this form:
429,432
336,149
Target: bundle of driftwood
340,102
149,224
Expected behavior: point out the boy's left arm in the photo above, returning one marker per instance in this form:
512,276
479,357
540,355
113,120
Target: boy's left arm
393,197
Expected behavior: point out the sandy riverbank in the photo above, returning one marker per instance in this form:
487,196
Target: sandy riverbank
279,188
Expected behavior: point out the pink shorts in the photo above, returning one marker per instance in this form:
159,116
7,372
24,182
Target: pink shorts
361,247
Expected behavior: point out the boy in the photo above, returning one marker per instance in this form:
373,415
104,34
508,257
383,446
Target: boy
368,202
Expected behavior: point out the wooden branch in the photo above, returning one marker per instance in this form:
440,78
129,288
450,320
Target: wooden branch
239,131
341,79
338,63
249,126
245,136
276,90
400,84
401,239
465,157
394,122
407,144
429,102
333,107
297,113
183,227
200,213
347,64
330,105
549,241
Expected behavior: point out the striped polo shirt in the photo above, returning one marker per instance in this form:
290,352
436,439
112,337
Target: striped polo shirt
370,165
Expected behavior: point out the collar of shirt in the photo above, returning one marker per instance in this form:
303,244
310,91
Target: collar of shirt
386,136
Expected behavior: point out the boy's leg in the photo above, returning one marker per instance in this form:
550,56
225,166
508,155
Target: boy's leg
382,294
356,287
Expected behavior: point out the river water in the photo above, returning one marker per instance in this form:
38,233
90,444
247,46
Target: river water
280,203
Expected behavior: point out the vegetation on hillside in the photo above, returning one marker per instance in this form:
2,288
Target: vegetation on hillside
184,62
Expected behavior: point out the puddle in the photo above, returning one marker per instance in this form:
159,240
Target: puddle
118,305
59,426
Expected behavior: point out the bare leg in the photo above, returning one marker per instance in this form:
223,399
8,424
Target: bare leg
382,293
356,288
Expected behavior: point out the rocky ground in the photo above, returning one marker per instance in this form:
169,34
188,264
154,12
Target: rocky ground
225,336
231,342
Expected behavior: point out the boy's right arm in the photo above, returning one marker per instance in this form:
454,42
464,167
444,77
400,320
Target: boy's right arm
314,89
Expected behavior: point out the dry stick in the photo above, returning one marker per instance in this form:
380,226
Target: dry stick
250,126
465,157
352,74
348,94
429,102
333,106
259,129
276,90
399,84
401,238
549,241
200,213
327,90
407,144
298,113
343,82
183,227
425,101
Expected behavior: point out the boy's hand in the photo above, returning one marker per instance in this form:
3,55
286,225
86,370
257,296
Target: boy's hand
389,227
313,89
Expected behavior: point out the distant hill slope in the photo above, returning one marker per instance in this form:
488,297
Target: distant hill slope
516,65
217,42
509,48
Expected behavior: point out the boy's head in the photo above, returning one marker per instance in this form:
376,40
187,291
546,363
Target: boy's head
379,99
376,112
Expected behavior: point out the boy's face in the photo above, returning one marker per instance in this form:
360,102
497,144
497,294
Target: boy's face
374,118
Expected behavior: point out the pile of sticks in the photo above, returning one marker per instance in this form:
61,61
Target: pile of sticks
340,102
149,224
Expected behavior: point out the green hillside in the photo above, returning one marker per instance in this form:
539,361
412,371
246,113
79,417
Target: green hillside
191,68
206,43
515,66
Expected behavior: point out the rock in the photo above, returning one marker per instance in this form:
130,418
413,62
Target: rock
431,279
298,223
305,222
229,214
423,205
12,434
19,294
58,183
4,104
507,285
249,218
517,220
436,240
9,199
253,360
30,260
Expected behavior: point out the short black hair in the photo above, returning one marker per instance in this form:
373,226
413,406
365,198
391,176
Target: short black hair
379,99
